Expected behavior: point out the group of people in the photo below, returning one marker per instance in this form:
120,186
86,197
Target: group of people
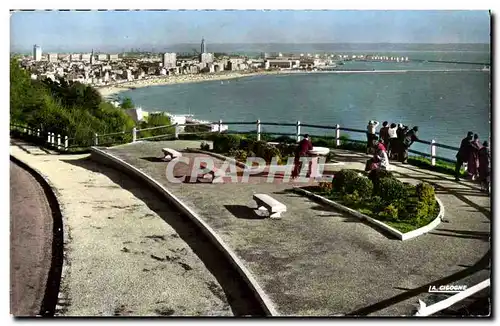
395,138
477,157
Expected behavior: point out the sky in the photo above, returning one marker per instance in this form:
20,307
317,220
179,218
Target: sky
78,31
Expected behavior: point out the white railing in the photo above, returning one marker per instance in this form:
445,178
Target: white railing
425,310
61,142
57,141
432,154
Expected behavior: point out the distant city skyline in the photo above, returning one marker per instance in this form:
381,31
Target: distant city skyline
161,30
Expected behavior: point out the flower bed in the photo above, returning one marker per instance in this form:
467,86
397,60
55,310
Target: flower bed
381,196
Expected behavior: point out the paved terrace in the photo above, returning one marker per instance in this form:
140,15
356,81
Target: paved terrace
316,261
126,252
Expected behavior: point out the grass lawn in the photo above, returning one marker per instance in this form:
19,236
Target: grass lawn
368,208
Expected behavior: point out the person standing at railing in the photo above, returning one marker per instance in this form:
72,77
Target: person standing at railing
393,138
410,137
484,166
305,145
473,163
371,130
384,132
463,154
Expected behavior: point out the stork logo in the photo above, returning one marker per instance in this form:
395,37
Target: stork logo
447,288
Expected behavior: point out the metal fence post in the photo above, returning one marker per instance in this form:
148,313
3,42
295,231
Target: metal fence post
134,135
96,139
337,135
38,132
66,143
258,130
433,152
298,131
48,137
58,141
220,125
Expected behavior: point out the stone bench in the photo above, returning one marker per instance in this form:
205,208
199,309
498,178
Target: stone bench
274,207
170,154
214,173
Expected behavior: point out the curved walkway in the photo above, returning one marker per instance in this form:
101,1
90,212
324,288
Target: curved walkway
31,240
127,252
316,261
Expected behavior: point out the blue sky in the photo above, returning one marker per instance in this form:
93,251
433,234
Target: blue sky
76,31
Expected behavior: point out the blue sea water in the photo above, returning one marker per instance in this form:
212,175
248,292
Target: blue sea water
445,105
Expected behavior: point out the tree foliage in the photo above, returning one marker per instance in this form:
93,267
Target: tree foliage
66,108
127,104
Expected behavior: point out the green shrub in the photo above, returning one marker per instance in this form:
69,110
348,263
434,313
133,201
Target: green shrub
205,146
390,212
325,187
352,199
287,149
360,184
259,148
224,143
376,175
284,140
390,189
197,128
321,142
239,155
271,152
343,179
425,192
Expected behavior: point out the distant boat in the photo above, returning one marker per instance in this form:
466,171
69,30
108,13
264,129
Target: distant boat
486,68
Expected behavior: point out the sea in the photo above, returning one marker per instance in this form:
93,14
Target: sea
444,99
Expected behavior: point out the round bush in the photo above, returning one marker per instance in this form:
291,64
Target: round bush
270,152
258,147
363,186
343,178
390,190
425,193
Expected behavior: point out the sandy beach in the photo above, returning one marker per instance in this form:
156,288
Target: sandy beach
108,91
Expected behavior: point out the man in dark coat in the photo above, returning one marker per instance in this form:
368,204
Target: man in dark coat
463,154
410,137
305,145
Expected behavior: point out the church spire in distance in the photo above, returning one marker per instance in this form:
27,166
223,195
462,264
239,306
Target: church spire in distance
203,46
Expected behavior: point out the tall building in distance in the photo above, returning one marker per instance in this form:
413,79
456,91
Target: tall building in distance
169,60
203,48
37,53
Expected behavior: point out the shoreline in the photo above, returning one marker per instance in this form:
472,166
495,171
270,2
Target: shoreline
109,91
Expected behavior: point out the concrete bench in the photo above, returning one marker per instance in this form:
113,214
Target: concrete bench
274,207
170,154
214,173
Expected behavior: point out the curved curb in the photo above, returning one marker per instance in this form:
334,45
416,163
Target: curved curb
264,300
59,265
398,234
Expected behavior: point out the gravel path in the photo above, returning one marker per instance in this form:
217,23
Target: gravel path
128,253
31,241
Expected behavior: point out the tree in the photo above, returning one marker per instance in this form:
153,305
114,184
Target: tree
127,104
